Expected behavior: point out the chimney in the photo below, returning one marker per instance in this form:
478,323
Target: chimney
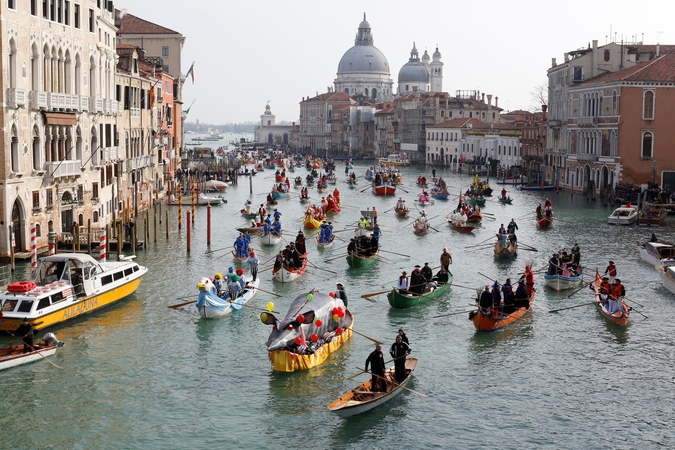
658,49
553,63
483,97
496,102
594,59
567,57
543,110
489,101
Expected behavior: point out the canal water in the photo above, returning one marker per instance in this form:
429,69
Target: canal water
141,375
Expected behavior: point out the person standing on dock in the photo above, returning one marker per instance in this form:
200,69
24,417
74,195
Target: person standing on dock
376,362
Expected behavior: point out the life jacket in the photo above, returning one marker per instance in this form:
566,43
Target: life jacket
612,270
604,287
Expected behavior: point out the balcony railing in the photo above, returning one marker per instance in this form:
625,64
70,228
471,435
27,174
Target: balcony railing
38,100
586,157
95,104
56,169
16,97
587,121
84,103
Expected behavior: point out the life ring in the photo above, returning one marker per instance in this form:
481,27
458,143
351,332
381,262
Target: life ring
21,286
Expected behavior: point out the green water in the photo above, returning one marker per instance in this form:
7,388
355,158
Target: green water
141,375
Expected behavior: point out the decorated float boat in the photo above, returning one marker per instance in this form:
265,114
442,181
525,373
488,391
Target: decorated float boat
361,399
315,326
65,286
210,306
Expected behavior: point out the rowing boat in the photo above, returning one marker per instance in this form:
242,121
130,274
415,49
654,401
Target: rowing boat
504,248
460,228
618,317
356,261
384,189
361,399
284,274
210,306
545,222
421,226
505,200
402,301
402,212
325,245
564,281
13,356
484,322
311,223
270,239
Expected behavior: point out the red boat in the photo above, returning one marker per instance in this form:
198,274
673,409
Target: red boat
618,317
545,222
402,212
384,189
475,217
461,229
484,322
280,178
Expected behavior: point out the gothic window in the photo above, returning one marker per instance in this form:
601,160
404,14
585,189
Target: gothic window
648,105
606,55
614,103
647,145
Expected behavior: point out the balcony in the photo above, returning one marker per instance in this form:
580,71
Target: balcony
95,104
587,121
38,100
56,169
84,103
587,157
16,98
555,123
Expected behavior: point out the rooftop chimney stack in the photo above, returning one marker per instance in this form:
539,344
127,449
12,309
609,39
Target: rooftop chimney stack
489,101
594,59
553,63
496,102
483,97
658,50
543,110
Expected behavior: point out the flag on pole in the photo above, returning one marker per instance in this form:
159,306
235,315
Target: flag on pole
191,73
187,111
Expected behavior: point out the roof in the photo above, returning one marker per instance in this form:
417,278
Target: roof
661,69
461,123
130,24
329,97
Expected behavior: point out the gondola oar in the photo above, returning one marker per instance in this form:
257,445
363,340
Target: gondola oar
476,245
451,314
182,304
325,270
337,257
583,285
375,293
394,253
366,336
570,307
395,384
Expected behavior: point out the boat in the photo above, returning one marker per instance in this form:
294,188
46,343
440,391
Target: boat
504,248
535,187
361,400
667,275
280,178
402,212
384,189
484,322
240,259
473,200
270,239
325,245
65,286
421,226
249,215
304,199
544,222
210,306
311,222
394,160
13,356
215,185
424,200
657,253
284,275
252,230
460,228
564,280
322,320
619,317
515,179
201,200
505,200
402,301
277,195
353,185
476,216
623,215
356,260
652,216
487,191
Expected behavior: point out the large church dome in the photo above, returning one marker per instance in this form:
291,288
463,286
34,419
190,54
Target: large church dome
414,71
363,57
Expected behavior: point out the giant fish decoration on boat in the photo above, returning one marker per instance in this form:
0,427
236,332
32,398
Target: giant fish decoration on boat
315,325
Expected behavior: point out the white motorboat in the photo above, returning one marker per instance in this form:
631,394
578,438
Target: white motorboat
657,253
667,275
215,185
623,215
201,200
211,306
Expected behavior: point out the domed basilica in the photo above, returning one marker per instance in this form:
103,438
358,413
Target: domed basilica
365,70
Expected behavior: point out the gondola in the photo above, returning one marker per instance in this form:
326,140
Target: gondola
356,260
545,222
504,200
384,189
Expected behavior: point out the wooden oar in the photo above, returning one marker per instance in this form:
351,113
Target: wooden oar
217,250
375,293
464,287
451,314
633,301
365,336
337,257
403,190
392,382
480,243
325,270
181,304
637,311
267,292
583,285
570,307
249,306
394,253
40,353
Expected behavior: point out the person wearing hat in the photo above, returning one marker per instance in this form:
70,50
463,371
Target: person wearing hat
351,247
276,227
25,331
509,299
446,259
376,362
522,298
611,270
402,284
252,264
553,265
403,336
341,294
399,350
242,278
417,281
218,283
485,301
300,243
528,275
234,286
427,272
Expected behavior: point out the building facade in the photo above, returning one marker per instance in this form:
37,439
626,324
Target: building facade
269,132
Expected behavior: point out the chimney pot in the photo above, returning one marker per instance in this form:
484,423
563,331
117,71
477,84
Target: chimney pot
489,101
496,102
483,97
553,63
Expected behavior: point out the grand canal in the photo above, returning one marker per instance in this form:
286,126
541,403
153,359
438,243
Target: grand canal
141,375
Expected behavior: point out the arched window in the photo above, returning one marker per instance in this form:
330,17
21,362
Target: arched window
95,216
35,69
647,144
373,93
648,105
615,103
606,55
37,151
366,92
14,145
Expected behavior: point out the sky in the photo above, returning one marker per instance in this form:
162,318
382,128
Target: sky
247,53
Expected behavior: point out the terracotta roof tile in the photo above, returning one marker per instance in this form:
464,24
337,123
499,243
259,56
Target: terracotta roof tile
661,69
130,24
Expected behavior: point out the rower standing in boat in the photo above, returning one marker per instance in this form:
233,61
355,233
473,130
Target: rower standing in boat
252,264
528,275
402,284
276,227
25,331
485,301
611,270
377,233
399,350
509,298
300,243
512,227
341,294
427,272
417,281
376,362
446,259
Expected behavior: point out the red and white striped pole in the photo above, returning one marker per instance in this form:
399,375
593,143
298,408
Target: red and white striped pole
102,246
33,249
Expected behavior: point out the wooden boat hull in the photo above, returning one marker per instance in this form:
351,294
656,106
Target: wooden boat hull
440,196
505,201
356,261
239,259
279,178
12,357
284,275
545,222
249,216
619,317
384,189
477,216
403,301
325,245
286,361
270,239
477,201
535,188
506,252
489,323
311,223
360,400
652,217
277,195
402,212
420,228
461,229
561,283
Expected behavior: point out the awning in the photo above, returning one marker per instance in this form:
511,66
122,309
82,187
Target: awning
60,118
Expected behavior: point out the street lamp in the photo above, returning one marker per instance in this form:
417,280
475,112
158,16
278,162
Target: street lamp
654,167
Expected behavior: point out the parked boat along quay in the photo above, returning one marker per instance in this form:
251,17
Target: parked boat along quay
140,374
